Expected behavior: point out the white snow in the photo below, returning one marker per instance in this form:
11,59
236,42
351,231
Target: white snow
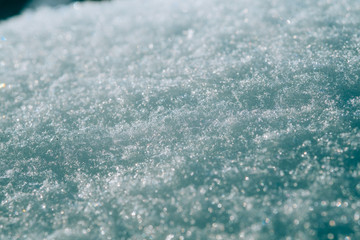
181,120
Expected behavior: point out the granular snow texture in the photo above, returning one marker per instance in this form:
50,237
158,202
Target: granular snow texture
192,119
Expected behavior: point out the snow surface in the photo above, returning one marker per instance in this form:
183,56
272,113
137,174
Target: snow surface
192,119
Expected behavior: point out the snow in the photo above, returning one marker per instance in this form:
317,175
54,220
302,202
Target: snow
181,120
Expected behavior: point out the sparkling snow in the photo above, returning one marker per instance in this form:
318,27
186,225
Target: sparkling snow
165,119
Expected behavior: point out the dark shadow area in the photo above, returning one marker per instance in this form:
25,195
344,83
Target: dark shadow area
10,8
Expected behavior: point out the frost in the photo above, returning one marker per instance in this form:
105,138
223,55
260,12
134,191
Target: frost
181,120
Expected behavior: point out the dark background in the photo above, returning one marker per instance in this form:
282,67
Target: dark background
9,8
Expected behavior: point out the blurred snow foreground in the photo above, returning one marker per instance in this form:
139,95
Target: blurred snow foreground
181,120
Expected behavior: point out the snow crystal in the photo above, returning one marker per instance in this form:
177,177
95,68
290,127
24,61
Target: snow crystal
181,120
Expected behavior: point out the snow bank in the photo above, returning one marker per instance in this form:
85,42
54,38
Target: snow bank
181,120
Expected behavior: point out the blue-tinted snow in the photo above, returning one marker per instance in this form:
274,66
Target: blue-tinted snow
181,120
